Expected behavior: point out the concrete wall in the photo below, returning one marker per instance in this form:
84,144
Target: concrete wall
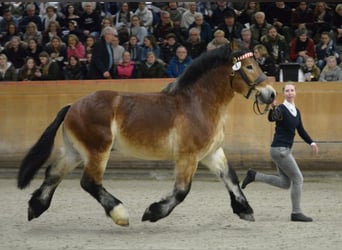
27,108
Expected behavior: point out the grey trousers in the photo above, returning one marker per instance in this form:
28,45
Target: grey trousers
289,175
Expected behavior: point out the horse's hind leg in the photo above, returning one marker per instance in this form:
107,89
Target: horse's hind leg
217,163
41,198
185,170
92,183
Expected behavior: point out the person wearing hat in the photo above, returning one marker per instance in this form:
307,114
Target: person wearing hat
168,50
301,47
231,27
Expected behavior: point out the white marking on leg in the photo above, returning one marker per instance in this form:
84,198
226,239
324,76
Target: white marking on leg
120,215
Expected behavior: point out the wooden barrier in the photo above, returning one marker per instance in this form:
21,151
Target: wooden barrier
26,109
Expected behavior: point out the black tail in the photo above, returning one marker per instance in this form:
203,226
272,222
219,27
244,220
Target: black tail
41,151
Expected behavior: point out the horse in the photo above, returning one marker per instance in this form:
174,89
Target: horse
183,123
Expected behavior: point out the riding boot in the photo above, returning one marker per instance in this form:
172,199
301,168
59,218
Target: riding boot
250,177
300,217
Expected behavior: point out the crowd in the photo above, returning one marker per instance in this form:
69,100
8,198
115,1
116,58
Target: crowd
56,41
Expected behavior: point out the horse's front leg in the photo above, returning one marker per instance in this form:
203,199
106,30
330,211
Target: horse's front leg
217,163
185,170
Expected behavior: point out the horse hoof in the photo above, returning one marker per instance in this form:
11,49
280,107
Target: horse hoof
30,215
248,217
120,215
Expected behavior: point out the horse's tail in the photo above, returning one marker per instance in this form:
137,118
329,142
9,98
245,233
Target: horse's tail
41,151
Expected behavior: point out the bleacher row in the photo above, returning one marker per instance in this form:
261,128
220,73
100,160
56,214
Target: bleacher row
55,40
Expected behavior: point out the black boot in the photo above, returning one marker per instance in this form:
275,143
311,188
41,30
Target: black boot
300,217
250,177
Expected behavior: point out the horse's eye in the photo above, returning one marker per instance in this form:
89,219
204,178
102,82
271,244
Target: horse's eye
249,67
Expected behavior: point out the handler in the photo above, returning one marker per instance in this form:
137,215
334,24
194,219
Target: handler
288,119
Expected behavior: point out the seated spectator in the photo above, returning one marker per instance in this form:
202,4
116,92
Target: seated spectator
126,69
276,45
50,70
150,45
89,43
247,40
74,70
175,13
188,17
53,29
260,27
28,71
7,70
301,47
30,16
134,49
219,12
57,51
337,23
331,71
231,27
303,18
218,41
145,15
136,29
51,16
151,67
15,49
203,27
73,28
33,50
75,47
168,50
325,48
117,50
178,63
164,27
90,20
247,16
310,71
32,32
194,45
7,18
122,22
70,15
10,32
264,60
322,19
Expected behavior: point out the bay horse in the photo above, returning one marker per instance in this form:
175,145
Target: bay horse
183,123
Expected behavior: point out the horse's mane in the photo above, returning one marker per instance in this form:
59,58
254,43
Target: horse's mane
201,65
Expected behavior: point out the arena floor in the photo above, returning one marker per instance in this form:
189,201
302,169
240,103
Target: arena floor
203,221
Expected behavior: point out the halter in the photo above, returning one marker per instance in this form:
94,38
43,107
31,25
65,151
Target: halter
237,67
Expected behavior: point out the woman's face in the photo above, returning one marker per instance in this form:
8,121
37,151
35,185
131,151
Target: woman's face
133,40
126,57
43,60
71,41
3,61
325,39
55,43
309,62
73,61
32,44
289,92
147,42
30,63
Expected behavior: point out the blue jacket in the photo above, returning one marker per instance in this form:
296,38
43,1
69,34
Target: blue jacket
176,68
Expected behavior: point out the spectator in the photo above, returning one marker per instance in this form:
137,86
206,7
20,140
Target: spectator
89,43
301,47
194,45
74,70
126,69
260,27
51,16
150,45
175,13
145,15
218,41
75,47
57,51
325,48
31,16
53,29
70,15
178,63
302,18
219,13
279,15
331,71
102,61
337,23
188,16
7,70
264,60
50,69
322,19
90,20
33,50
247,40
203,27
139,31
32,32
168,50
134,49
166,26
11,31
276,45
28,71
231,27
15,50
248,13
310,71
122,21
117,50
151,67
7,18
73,28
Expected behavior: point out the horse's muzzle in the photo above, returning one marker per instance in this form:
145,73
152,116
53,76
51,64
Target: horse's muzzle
266,95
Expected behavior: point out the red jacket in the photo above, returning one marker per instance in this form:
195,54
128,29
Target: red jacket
310,48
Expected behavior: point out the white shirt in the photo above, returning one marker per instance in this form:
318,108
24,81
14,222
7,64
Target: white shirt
291,108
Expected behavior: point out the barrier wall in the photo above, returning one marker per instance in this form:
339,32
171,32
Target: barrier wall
27,108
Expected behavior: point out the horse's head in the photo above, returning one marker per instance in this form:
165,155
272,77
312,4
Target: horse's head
248,79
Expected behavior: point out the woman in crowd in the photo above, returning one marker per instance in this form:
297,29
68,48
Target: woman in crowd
53,29
331,71
74,70
325,48
15,50
218,41
134,49
150,44
301,47
7,70
57,51
30,71
75,47
32,32
264,60
151,67
50,69
127,69
11,31
136,29
310,71
33,50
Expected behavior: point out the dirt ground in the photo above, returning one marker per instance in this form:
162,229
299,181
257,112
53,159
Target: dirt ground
203,221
